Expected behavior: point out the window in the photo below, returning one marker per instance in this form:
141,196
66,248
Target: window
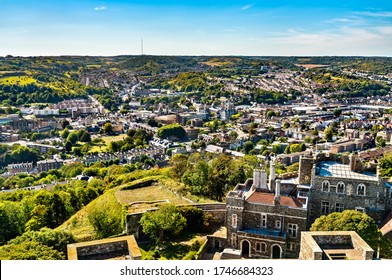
258,246
278,224
325,186
340,187
291,246
234,220
263,247
264,220
360,209
325,207
361,189
233,240
339,207
292,230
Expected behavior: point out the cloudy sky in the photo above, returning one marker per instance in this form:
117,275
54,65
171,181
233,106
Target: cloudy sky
215,27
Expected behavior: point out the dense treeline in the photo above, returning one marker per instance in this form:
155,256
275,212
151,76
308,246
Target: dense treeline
347,85
23,211
212,177
31,93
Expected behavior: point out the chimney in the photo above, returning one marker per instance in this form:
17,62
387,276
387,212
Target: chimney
272,175
277,192
263,179
256,178
378,172
352,162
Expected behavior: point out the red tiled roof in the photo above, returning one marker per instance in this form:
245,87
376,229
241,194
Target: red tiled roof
268,198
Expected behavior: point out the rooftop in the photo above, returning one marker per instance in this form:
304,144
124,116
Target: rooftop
334,169
268,198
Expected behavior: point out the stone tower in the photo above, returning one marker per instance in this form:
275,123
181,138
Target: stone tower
305,169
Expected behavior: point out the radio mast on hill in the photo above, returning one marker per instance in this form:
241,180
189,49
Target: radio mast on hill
142,46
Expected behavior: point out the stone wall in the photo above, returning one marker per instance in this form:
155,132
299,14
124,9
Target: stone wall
250,216
375,201
217,215
125,246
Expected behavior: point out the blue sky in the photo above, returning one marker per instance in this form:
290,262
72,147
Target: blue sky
274,27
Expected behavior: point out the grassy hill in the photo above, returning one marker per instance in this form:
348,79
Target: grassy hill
106,205
109,210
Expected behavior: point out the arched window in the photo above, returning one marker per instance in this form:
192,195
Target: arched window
234,220
361,189
340,187
325,186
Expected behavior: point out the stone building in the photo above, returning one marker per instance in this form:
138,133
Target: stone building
15,168
334,245
118,248
265,216
334,186
46,165
263,219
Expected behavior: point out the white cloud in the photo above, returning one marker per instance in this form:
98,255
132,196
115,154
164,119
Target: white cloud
375,14
343,41
100,8
246,7
350,20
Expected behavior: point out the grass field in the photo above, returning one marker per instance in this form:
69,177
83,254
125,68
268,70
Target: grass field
104,146
21,80
79,224
311,66
152,197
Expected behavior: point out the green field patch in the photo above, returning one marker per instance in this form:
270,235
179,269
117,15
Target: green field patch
20,80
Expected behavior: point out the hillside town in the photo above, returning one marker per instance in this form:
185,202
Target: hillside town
317,149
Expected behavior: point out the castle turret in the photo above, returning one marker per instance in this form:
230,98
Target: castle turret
305,169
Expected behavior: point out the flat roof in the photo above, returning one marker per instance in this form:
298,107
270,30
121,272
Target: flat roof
334,169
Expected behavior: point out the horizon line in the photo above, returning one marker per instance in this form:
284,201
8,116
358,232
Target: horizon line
190,55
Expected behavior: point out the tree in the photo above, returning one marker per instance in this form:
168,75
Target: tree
57,239
73,138
178,165
196,175
152,122
107,128
271,114
68,146
380,142
248,146
386,165
350,220
174,130
85,137
64,134
337,112
64,123
29,250
12,220
233,135
163,224
328,133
